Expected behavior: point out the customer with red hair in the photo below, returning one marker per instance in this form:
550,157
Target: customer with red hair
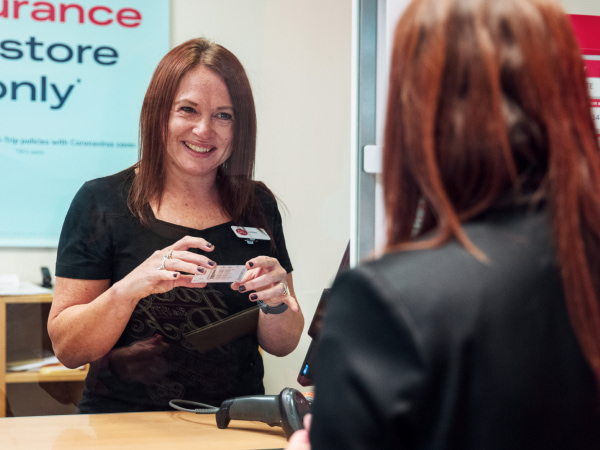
480,326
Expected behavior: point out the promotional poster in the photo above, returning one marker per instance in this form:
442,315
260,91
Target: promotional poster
72,80
586,30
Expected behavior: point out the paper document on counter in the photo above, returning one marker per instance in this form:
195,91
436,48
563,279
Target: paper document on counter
9,287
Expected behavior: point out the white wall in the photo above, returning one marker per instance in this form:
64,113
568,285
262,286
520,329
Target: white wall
586,7
297,55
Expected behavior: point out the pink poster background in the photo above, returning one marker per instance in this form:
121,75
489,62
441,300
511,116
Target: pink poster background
587,31
592,68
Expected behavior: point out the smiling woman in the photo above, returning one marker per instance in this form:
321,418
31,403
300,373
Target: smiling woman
302,153
191,186
215,68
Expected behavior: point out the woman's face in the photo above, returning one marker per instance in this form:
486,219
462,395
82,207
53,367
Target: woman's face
200,125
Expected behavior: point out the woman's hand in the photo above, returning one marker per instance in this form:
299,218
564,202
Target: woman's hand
164,269
88,316
278,334
267,278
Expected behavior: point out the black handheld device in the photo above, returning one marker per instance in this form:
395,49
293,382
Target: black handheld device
286,410
308,370
46,278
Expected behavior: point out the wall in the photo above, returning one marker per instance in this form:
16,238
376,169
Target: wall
297,55
586,7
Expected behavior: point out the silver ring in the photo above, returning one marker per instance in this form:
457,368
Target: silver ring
169,254
162,266
285,289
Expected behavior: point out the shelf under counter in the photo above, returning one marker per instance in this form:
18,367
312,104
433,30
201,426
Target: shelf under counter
25,337
40,377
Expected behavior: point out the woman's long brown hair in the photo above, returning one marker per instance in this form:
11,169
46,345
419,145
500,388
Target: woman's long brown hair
488,100
234,177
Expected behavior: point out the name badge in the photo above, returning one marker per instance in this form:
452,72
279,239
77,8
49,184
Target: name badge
250,234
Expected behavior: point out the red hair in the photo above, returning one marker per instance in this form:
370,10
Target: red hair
234,177
488,101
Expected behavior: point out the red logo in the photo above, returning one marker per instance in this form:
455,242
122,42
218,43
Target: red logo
241,231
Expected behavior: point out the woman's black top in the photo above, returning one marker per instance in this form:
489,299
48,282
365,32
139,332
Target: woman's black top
102,240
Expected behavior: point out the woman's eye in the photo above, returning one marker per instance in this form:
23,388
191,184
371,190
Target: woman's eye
187,109
225,116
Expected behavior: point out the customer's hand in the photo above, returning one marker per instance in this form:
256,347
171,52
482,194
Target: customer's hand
267,279
299,440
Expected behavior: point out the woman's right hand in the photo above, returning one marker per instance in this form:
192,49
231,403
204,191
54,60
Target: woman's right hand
87,317
164,269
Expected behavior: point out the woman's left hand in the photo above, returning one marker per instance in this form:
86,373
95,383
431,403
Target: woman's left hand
267,278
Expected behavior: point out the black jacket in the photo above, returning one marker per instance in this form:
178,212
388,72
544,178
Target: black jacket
436,350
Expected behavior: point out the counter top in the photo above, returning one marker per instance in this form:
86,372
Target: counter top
147,431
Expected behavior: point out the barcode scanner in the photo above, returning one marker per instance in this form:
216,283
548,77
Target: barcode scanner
286,410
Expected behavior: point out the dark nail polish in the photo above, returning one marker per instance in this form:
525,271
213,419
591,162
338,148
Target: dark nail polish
201,269
209,245
175,275
242,288
211,263
253,297
251,264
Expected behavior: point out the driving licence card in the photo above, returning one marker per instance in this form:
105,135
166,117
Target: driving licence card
222,274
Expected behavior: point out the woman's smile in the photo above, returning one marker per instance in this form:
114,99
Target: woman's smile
198,149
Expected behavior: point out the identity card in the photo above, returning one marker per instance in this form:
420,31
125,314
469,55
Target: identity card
222,274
